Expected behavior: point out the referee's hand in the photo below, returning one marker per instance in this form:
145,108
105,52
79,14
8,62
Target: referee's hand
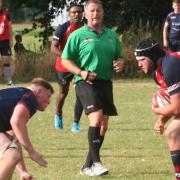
118,65
88,76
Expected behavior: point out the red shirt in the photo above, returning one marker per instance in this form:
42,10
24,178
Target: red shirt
62,33
4,22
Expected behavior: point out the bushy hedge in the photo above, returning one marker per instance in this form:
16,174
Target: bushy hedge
31,65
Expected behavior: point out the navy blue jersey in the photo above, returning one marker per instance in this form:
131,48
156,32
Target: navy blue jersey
9,98
174,22
174,31
167,75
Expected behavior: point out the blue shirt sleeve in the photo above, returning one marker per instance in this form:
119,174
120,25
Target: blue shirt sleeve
61,29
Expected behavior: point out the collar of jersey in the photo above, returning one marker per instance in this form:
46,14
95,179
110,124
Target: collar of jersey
88,28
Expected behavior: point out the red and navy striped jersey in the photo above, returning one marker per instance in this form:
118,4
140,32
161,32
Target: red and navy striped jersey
167,75
61,35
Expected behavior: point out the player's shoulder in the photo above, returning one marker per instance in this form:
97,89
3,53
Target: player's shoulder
171,14
64,25
172,55
78,31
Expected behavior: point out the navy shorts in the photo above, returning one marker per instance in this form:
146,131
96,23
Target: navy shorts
4,123
98,95
63,78
174,44
5,49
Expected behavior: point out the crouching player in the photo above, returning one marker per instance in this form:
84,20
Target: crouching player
165,67
17,105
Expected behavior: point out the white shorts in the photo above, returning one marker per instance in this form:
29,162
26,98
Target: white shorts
12,145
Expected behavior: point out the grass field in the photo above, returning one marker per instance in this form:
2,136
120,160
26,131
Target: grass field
131,150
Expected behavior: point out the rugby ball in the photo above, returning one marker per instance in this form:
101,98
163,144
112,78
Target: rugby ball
161,98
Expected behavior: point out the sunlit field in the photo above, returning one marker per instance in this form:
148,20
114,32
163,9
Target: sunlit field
131,150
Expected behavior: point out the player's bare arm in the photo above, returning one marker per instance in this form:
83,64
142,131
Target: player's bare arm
19,119
165,34
55,48
172,109
73,68
21,167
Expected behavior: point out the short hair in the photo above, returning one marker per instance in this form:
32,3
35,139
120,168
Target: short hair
93,1
75,5
43,83
176,1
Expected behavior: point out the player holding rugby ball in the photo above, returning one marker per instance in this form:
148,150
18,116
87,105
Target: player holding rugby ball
165,68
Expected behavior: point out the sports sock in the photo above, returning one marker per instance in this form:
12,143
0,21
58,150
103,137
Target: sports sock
175,156
94,141
7,72
89,160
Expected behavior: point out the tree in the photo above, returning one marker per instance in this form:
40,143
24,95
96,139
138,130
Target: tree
118,13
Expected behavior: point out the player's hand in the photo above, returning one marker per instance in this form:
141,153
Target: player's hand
38,158
88,76
118,65
160,123
159,126
26,176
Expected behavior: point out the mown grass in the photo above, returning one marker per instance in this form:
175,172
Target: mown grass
131,150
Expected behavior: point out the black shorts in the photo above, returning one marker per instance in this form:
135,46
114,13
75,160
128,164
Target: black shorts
4,123
97,96
5,49
64,78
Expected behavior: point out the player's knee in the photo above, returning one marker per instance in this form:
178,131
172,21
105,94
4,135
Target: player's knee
104,128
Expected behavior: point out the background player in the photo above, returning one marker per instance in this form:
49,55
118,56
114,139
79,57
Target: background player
171,30
63,76
166,72
6,43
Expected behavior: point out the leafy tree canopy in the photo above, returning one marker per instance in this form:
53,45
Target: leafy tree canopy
118,13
